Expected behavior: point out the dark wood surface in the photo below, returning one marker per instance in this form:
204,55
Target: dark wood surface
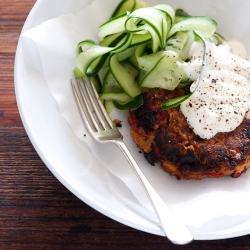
36,210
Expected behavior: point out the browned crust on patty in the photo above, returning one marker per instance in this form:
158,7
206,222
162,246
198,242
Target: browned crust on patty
166,137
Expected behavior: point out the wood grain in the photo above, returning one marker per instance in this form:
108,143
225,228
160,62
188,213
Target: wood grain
36,211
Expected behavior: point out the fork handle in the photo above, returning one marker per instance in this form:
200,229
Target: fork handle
173,228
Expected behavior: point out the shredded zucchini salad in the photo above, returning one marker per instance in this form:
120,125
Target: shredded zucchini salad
142,48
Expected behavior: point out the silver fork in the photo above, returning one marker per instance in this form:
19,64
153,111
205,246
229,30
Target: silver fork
101,127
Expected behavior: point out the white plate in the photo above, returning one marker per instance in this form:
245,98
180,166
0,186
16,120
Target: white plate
61,151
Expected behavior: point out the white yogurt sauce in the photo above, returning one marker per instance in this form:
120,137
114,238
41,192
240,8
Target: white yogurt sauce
222,97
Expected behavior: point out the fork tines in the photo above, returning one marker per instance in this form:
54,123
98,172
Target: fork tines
91,107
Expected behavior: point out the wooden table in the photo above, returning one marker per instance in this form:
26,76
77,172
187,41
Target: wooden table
36,211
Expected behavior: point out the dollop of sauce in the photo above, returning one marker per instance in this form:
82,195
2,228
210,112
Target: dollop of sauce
221,98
